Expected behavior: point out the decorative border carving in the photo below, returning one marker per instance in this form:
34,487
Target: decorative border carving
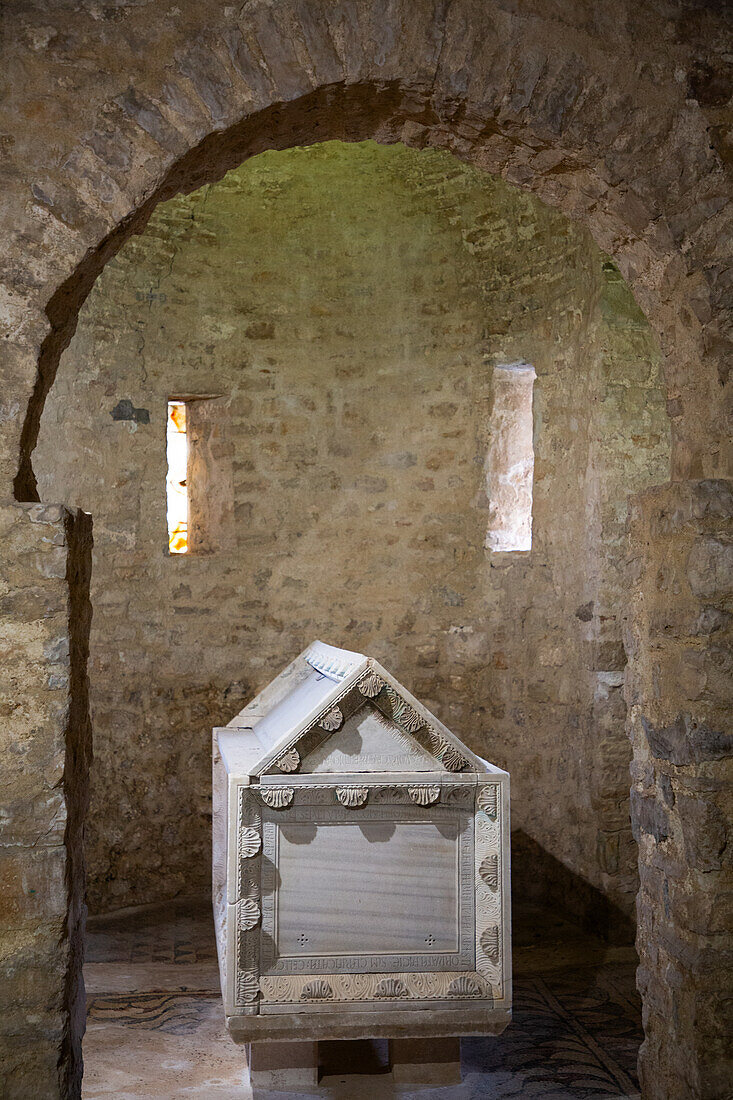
248,910
489,887
481,899
445,986
448,754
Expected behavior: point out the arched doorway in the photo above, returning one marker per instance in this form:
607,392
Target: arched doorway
528,96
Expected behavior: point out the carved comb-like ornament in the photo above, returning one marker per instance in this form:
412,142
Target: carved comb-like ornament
353,797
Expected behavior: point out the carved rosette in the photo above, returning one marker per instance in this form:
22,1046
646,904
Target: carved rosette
277,798
332,719
353,797
489,887
289,761
370,685
425,795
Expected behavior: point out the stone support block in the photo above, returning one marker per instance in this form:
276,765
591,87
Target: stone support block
45,742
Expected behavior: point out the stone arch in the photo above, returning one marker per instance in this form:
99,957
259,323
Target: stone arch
613,116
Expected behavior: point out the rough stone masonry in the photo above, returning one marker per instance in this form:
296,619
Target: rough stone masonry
617,115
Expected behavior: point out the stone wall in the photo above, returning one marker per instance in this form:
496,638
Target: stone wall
619,115
681,628
45,740
349,303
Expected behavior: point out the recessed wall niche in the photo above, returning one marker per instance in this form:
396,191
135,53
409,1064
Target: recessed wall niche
347,304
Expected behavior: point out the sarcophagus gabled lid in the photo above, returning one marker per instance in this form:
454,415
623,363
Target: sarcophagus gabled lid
333,710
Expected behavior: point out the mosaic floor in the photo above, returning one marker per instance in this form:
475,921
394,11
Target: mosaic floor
155,1027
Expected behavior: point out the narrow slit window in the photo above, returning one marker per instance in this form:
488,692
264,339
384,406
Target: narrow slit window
511,459
177,479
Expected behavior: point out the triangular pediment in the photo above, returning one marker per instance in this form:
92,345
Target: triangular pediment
368,741
369,724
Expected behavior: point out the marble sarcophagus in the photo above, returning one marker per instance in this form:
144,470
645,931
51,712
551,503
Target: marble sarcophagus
361,863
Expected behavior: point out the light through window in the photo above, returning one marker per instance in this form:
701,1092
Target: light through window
511,459
176,481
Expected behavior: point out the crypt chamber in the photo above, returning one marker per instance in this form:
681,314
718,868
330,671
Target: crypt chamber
412,404
333,317
365,434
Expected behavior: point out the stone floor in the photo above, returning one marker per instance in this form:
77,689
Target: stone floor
155,1027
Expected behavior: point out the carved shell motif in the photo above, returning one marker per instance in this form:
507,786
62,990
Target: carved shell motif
489,871
277,798
248,914
352,797
490,942
391,987
289,761
331,720
370,685
464,987
250,842
316,991
424,796
488,800
248,987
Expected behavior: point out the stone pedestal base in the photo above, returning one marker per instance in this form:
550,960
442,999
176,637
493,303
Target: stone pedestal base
285,1067
426,1061
297,1067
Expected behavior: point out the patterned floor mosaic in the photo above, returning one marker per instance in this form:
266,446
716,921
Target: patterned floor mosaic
155,1027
